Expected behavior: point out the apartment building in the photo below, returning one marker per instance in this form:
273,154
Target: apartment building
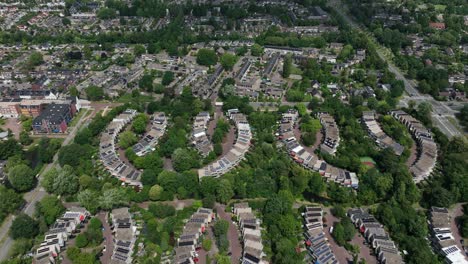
308,159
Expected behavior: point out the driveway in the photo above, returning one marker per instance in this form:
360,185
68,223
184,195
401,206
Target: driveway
341,253
235,246
454,213
107,233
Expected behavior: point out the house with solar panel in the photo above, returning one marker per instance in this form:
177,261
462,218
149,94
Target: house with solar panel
308,159
149,141
385,249
191,237
125,172
125,235
251,232
55,240
442,239
318,248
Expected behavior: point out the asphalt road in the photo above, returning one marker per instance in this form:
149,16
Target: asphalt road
32,197
442,112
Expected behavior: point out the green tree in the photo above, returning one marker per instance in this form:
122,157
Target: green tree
206,244
167,78
11,201
224,193
112,198
287,66
139,123
81,241
155,192
256,50
25,139
228,61
23,226
89,199
35,59
207,57
146,82
21,177
50,207
127,139
138,50
66,182
94,93
184,159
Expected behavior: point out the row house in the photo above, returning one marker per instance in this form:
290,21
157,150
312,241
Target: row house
108,154
199,137
318,248
376,133
238,151
56,238
442,238
308,159
149,141
125,234
331,134
375,234
249,225
191,237
427,147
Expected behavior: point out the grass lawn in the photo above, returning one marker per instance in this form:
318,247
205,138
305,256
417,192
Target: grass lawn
368,161
126,98
440,7
83,112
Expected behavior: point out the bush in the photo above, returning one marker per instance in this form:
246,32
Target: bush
206,244
81,241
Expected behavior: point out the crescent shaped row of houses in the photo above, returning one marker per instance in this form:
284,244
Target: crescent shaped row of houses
125,172
427,148
237,153
308,159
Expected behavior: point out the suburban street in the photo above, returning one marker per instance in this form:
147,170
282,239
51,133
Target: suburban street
33,196
441,111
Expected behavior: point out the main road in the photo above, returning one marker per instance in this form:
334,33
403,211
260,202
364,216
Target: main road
442,113
33,196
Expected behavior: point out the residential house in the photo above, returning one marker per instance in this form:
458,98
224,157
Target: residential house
199,137
249,225
374,233
237,153
376,133
318,248
427,147
124,236
149,141
191,237
442,238
331,134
